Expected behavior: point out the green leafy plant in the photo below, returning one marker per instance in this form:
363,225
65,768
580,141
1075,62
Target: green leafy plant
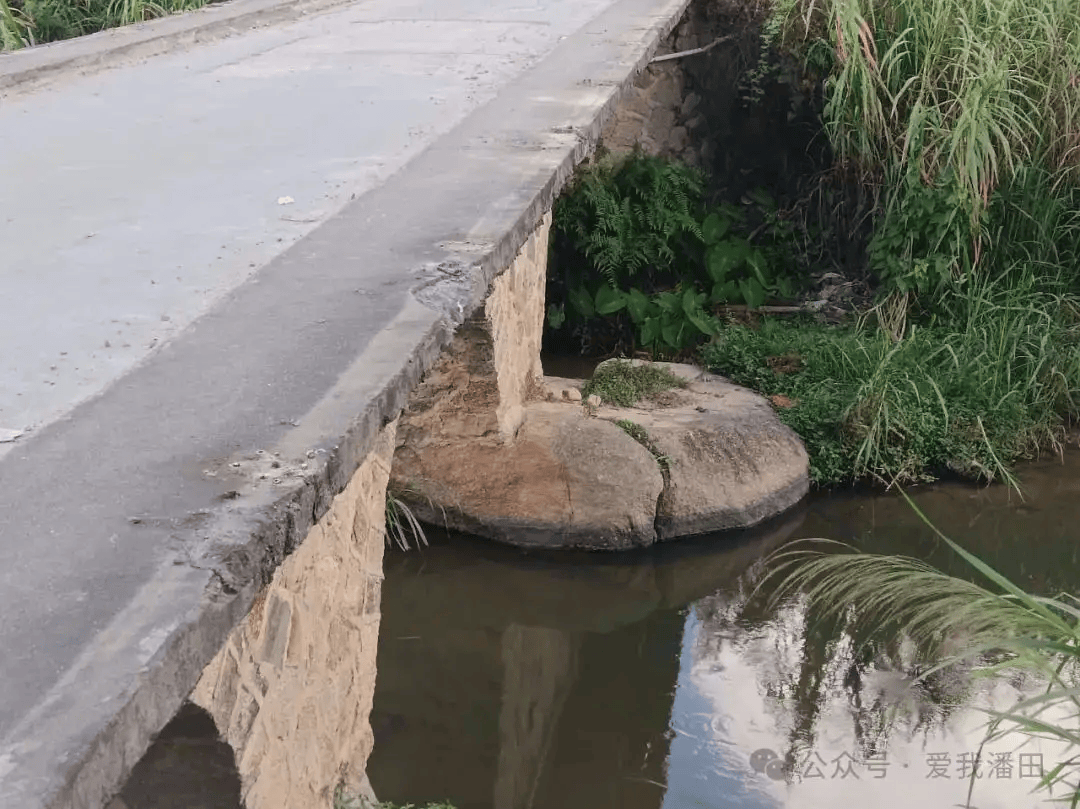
737,270
646,250
673,319
631,213
923,240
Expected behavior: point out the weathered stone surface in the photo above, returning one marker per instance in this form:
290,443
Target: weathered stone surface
291,690
565,481
730,462
646,115
572,478
514,312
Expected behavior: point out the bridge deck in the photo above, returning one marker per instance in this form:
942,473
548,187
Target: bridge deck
168,310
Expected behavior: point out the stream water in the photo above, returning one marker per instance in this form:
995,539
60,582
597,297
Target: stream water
655,680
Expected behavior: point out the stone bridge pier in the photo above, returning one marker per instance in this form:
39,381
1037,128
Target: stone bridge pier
291,689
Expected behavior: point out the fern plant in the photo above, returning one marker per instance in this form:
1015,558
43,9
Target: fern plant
637,248
633,212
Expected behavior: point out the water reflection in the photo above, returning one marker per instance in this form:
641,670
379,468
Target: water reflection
844,724
507,680
513,681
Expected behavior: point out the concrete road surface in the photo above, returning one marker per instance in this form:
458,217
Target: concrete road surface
133,199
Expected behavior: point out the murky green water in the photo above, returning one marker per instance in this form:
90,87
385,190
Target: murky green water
653,680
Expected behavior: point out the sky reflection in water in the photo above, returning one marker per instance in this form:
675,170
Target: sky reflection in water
512,681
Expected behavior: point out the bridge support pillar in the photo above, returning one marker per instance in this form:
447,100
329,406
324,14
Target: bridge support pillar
479,387
291,690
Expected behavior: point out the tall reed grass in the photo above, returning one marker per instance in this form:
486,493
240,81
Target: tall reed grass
949,87
942,104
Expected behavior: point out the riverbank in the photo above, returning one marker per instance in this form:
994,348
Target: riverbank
946,206
969,396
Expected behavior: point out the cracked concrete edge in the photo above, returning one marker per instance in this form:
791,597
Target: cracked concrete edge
233,557
30,68
245,542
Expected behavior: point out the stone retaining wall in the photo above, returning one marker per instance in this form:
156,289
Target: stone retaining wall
746,124
656,117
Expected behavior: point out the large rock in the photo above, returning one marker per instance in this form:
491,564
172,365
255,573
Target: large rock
716,458
564,481
729,461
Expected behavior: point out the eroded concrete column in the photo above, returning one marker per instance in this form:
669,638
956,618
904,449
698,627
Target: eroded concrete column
291,690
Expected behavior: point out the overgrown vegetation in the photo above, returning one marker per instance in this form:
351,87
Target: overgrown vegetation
989,625
624,383
963,116
33,22
943,105
644,251
984,385
958,123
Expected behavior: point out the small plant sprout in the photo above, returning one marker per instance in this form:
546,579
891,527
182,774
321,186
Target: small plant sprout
402,525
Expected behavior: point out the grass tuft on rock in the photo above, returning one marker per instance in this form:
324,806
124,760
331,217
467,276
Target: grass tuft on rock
624,383
402,524
634,430
641,435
